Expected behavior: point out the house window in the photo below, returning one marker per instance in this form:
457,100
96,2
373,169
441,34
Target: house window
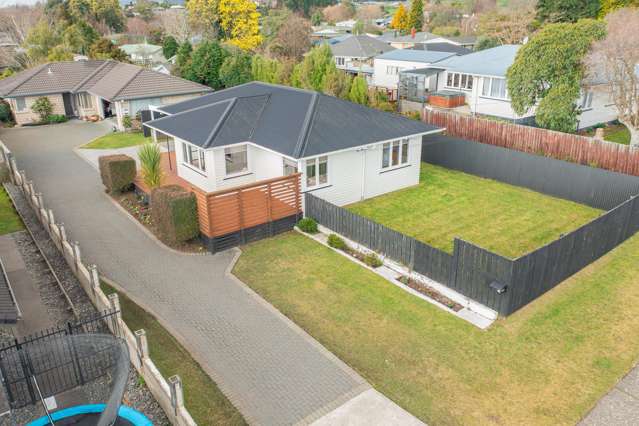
394,153
456,80
494,88
290,167
339,60
586,100
194,156
391,70
21,104
316,171
236,159
85,100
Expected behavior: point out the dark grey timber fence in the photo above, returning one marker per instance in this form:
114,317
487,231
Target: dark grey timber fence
592,186
471,269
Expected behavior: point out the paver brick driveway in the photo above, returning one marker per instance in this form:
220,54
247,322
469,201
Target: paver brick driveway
271,370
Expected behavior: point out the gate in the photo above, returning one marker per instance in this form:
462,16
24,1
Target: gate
56,362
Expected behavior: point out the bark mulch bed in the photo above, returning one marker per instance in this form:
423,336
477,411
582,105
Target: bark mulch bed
430,292
139,209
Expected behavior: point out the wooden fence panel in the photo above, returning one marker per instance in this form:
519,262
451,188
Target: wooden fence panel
533,140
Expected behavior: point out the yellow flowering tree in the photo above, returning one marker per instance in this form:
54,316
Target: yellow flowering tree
239,20
203,13
400,19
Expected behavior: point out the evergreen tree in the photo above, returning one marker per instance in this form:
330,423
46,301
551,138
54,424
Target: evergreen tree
567,10
416,15
169,47
336,83
236,69
309,74
359,91
204,67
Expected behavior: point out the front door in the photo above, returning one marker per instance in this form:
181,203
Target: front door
68,104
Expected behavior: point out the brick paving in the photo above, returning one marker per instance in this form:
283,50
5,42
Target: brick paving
267,366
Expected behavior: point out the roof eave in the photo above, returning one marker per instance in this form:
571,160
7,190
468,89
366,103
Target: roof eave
186,92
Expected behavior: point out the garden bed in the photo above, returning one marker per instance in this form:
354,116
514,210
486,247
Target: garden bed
430,292
136,206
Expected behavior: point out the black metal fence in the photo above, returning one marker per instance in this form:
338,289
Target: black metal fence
471,270
592,186
55,361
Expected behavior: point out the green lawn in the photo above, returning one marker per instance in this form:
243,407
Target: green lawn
547,364
9,219
619,135
206,403
503,218
117,140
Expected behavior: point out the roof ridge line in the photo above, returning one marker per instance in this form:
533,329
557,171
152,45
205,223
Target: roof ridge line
219,123
140,69
308,119
87,78
259,115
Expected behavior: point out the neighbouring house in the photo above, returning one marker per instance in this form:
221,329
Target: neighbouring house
143,54
354,54
100,88
327,32
388,66
476,83
345,152
399,41
442,47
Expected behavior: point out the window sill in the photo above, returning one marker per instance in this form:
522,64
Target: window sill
392,169
237,175
317,188
194,169
494,99
458,89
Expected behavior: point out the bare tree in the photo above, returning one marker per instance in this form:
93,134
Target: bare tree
508,27
337,13
137,26
176,23
15,24
617,57
293,38
369,12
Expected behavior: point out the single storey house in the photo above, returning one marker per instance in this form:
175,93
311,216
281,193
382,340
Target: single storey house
102,88
144,54
388,66
356,50
479,78
407,41
345,152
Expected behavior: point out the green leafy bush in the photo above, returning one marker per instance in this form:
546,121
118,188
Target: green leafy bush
373,260
308,225
127,122
43,107
174,211
117,172
150,161
5,112
57,118
336,242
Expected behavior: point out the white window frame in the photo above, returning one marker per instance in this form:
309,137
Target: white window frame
85,100
340,60
227,151
585,103
403,153
490,89
188,158
316,162
24,100
459,81
393,70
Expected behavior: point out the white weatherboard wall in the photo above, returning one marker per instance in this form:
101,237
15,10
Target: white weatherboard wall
602,110
196,177
381,78
355,175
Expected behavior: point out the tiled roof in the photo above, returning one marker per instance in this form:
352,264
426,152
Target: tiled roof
294,122
360,46
110,80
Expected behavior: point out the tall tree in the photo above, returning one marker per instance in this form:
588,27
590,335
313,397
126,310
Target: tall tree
205,64
359,91
41,39
616,58
416,15
336,82
293,39
169,47
305,6
508,27
239,20
203,14
567,10
309,74
176,23
265,69
109,12
608,6
144,8
400,19
236,69
105,49
548,72
183,58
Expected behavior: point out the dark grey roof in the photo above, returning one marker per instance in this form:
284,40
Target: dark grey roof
360,46
108,79
296,123
442,47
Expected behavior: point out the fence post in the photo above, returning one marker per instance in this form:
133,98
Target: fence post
76,255
95,280
142,346
31,192
14,169
177,396
23,181
40,204
76,361
26,369
114,299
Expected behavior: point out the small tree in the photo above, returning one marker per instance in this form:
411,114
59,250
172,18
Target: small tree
265,69
400,19
309,74
43,107
205,65
151,164
127,122
316,18
236,69
169,47
359,91
416,15
336,83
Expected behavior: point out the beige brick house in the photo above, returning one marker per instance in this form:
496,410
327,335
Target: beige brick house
94,88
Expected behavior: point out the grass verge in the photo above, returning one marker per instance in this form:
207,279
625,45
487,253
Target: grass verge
9,219
507,219
206,403
116,140
549,363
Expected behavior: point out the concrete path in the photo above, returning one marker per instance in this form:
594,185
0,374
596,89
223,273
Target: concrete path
620,406
268,367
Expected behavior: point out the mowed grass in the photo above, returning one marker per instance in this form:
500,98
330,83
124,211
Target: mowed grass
9,219
506,219
547,364
117,140
204,400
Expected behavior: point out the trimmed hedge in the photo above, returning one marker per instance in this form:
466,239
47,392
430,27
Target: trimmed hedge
117,172
308,225
174,211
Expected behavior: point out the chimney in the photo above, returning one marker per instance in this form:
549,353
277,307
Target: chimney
49,70
413,32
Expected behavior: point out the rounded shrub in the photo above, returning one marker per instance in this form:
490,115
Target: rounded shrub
336,242
308,225
373,260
